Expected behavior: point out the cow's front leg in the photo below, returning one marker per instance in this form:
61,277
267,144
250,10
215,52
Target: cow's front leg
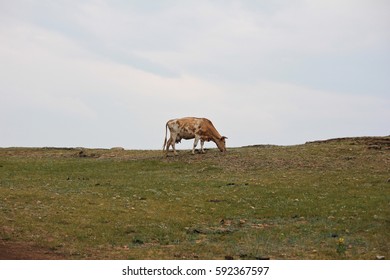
172,142
195,144
201,146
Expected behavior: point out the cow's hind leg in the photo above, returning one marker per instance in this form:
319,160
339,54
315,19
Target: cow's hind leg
173,143
167,148
195,144
173,147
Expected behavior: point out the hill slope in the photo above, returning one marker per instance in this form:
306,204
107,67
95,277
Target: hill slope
321,200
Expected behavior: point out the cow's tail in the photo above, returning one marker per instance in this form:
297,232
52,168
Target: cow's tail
165,140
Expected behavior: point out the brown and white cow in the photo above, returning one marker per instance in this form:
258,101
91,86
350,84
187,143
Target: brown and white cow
189,128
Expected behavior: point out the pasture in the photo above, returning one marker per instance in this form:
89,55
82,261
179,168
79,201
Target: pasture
320,200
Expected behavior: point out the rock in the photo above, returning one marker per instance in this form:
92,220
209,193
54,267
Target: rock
137,241
86,154
215,200
225,222
82,154
374,147
7,230
378,257
117,149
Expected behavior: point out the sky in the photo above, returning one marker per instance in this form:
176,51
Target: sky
102,74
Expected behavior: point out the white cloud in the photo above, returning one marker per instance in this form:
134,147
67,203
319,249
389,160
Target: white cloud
41,68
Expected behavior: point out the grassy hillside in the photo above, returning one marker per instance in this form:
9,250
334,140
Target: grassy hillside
321,200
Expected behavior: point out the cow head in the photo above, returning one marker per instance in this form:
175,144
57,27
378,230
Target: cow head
221,143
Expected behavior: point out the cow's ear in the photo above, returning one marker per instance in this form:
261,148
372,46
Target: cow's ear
223,138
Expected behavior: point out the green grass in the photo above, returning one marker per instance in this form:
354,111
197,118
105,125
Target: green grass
273,202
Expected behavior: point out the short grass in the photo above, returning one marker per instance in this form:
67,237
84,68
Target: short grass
315,201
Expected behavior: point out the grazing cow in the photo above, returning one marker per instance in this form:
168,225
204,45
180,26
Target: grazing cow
189,128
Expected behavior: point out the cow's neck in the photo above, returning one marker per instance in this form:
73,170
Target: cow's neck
215,135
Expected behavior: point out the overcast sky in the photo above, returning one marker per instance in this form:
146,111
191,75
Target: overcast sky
111,73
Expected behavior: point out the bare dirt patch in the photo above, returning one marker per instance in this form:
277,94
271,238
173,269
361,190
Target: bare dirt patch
26,251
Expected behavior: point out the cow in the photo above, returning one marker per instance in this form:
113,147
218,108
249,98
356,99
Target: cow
189,128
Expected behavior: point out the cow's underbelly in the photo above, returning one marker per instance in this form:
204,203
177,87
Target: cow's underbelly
185,135
205,138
